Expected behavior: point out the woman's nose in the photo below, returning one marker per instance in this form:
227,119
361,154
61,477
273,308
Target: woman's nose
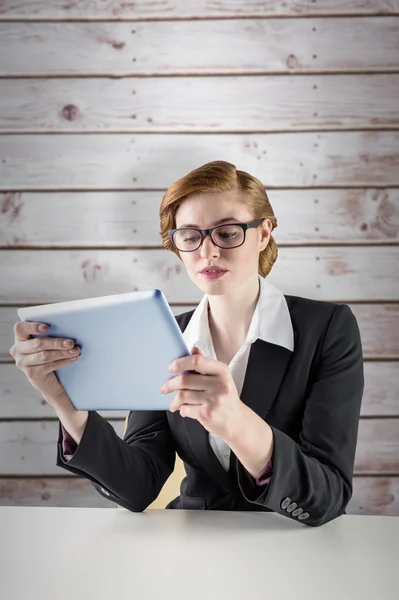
208,248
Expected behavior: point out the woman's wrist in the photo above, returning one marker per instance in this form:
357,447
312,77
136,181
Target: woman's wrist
252,441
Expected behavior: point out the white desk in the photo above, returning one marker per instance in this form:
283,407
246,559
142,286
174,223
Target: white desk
98,553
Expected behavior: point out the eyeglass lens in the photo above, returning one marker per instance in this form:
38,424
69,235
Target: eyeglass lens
225,236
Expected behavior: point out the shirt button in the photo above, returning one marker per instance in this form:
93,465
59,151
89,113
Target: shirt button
285,503
297,512
106,492
303,516
291,507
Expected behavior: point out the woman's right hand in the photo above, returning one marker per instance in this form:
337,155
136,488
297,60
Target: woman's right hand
39,357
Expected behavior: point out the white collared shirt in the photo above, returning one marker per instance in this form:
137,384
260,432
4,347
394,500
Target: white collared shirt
271,322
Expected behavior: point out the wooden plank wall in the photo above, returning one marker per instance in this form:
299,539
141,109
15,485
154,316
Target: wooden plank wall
105,104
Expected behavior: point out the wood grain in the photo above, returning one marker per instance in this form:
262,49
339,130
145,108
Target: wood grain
172,9
177,47
29,447
377,449
381,389
19,400
336,274
165,104
132,103
378,324
374,496
125,161
379,329
121,219
371,496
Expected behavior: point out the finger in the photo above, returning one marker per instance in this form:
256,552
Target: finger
45,356
199,363
43,369
24,329
191,411
187,382
190,398
41,343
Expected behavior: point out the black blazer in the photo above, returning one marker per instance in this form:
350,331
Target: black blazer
311,399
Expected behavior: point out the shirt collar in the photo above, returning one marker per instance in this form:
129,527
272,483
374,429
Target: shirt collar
271,321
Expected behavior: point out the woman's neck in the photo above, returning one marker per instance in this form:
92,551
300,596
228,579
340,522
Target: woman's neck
230,316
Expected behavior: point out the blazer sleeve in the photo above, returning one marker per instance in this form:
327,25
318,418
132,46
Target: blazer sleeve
315,475
129,471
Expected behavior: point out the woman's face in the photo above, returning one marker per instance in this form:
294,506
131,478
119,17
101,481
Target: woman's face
203,211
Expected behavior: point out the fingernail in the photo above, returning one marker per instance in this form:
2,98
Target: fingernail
43,327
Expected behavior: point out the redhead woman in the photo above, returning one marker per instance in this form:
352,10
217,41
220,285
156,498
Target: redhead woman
269,419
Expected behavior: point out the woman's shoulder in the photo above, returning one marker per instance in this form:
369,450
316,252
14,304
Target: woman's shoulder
304,304
310,314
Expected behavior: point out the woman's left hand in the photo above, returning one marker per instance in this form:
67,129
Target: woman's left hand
210,395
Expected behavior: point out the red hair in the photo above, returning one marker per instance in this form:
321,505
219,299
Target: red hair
213,177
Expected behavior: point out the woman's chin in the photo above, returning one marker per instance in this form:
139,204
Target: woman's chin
210,286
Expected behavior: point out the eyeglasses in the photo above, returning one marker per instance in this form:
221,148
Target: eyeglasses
231,235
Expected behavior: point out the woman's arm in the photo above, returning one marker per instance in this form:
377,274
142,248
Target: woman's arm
130,471
73,420
252,442
316,473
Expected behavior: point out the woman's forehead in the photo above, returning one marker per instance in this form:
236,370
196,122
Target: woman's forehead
206,209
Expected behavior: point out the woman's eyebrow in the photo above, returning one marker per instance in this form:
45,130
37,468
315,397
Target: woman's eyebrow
215,222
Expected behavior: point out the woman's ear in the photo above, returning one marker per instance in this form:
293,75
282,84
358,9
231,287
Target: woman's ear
266,230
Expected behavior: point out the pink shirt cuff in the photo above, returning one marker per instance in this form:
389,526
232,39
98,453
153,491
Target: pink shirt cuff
69,445
264,476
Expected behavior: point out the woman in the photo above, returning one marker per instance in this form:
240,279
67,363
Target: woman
269,419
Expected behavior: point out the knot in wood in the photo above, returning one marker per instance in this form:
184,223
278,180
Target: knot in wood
70,112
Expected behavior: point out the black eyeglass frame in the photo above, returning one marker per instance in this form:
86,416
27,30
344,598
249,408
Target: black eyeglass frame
204,232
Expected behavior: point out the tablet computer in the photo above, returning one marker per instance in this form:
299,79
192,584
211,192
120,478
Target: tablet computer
127,342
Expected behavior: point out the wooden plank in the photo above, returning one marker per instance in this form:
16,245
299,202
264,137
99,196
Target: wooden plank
377,449
381,389
19,400
121,219
243,46
378,324
162,104
189,9
124,161
325,273
379,328
374,496
73,491
29,447
371,495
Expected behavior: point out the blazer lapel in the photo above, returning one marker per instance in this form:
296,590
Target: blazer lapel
267,364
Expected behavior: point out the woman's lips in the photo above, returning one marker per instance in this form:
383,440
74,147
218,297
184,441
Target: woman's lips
214,275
